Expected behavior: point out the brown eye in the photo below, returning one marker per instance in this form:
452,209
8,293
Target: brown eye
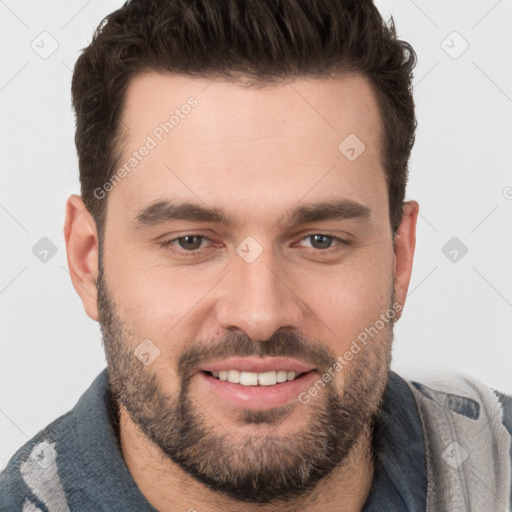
188,246
190,242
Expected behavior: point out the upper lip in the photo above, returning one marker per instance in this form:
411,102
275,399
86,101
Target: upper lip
258,365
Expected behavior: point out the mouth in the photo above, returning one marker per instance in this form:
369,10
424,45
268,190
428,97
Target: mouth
270,378
257,383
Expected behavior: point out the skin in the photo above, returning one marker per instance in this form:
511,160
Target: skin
255,153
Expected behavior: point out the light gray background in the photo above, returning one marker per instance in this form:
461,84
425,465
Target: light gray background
458,314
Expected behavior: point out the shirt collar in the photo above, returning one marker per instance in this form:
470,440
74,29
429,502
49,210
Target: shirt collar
400,479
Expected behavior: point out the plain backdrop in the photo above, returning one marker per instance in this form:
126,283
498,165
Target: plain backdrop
459,310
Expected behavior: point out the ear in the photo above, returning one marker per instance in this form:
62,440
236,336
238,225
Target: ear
82,251
404,244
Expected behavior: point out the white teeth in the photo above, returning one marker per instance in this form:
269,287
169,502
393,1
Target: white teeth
248,379
234,376
267,378
255,379
282,376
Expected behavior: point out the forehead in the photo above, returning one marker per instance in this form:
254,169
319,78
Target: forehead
225,143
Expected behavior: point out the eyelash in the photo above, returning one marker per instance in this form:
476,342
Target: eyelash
169,245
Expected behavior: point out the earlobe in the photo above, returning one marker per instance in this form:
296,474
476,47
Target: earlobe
405,243
82,252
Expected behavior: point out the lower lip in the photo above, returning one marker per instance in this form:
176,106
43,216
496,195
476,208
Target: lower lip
258,397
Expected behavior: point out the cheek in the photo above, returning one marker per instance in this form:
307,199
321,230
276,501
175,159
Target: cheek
162,303
342,301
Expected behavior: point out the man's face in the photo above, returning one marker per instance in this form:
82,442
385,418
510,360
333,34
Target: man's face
267,286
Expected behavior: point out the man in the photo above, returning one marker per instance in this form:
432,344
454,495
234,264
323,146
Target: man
243,240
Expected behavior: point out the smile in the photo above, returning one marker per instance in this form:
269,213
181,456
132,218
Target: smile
255,379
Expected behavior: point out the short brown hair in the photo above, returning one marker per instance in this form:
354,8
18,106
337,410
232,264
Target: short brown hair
263,41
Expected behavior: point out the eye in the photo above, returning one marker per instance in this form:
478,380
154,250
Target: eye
321,241
186,244
190,242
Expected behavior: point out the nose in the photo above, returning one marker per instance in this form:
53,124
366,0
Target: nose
257,300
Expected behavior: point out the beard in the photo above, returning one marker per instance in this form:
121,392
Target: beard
254,468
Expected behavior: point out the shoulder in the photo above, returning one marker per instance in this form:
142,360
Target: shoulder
462,416
32,478
32,466
462,394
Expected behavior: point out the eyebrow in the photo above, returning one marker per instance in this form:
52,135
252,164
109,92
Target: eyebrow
167,211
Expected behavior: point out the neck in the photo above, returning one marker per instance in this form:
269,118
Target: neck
168,488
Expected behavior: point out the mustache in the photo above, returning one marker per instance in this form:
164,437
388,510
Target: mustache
283,343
